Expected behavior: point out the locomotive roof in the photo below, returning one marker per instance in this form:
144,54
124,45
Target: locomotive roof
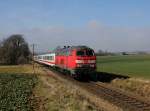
68,48
80,47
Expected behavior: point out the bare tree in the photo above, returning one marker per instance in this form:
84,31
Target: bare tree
0,51
15,50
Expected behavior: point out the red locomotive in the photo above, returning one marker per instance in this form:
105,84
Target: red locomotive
80,61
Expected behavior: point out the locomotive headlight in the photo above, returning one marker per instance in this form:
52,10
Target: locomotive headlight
91,61
79,65
79,61
92,65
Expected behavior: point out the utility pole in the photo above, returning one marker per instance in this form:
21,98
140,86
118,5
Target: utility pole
33,46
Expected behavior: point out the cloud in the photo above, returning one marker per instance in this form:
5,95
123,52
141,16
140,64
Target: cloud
94,34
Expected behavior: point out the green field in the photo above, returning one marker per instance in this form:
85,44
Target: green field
131,65
16,86
15,90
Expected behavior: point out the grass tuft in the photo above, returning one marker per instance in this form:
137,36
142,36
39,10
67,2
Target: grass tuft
137,86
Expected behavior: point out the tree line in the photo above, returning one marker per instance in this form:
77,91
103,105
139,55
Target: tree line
104,53
14,50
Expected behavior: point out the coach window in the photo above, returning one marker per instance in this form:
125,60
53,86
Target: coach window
52,57
48,57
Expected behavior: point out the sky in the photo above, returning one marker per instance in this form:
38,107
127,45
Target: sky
110,25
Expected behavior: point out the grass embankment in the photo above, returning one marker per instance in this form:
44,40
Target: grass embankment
136,86
130,65
55,95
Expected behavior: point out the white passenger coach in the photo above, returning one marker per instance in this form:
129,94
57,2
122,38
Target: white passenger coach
48,59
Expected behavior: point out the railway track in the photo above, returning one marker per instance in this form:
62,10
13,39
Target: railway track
122,99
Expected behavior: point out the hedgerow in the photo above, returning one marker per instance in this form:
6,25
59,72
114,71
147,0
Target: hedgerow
15,91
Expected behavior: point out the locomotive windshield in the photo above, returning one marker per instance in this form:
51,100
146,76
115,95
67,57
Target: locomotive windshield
89,53
81,53
85,53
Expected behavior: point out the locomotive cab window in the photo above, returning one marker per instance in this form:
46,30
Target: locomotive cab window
81,53
89,52
85,53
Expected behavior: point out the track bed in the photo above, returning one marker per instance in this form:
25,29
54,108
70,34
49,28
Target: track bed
127,101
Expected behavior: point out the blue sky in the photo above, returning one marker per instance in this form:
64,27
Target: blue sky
74,17
75,12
